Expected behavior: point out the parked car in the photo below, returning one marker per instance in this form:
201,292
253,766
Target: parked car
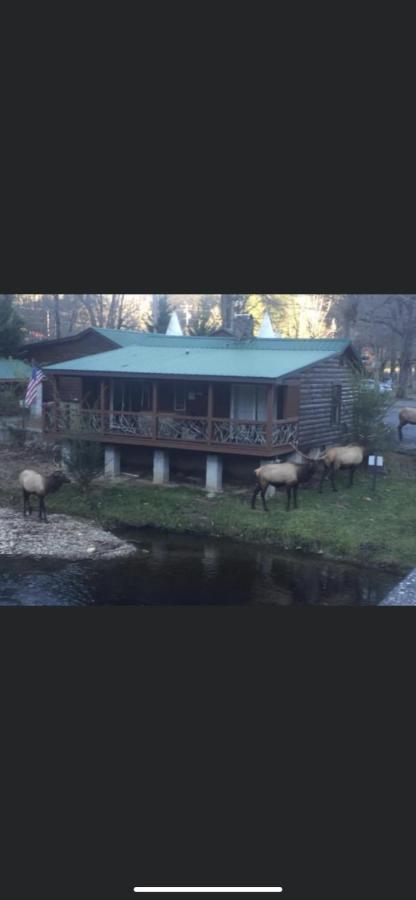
382,386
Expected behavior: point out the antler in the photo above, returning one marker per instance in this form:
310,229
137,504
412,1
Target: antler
309,458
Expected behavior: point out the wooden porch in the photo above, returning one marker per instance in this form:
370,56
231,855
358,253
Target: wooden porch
211,424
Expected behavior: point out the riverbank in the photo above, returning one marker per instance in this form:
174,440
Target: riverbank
62,537
356,526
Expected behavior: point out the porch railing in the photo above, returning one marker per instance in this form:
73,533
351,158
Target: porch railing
70,418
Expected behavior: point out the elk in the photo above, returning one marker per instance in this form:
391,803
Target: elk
407,416
287,475
336,458
32,482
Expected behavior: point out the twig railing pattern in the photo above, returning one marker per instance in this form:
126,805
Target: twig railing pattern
71,418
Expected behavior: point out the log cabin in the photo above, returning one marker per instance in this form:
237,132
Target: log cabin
88,342
211,405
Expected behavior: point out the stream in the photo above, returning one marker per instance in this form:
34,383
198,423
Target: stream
172,569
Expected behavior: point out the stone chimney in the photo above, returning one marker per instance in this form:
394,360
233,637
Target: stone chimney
243,328
227,311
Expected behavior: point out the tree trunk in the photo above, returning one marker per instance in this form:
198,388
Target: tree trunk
227,311
74,314
87,303
406,360
57,315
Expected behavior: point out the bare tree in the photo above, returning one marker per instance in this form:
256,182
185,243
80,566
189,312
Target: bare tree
57,315
109,310
396,314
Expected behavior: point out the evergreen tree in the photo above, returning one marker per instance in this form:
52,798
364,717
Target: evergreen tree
11,326
205,318
164,313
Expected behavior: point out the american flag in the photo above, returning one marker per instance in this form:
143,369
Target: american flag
32,388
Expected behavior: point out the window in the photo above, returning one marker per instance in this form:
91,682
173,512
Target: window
249,403
336,404
180,398
145,397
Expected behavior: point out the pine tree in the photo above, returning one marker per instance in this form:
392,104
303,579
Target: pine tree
11,326
205,319
163,319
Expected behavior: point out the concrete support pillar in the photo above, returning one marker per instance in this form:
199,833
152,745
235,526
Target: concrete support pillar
111,461
65,454
214,472
161,466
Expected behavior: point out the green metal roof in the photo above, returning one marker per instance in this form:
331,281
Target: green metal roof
190,357
123,338
149,339
14,370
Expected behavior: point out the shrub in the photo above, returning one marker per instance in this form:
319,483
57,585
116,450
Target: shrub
84,462
370,407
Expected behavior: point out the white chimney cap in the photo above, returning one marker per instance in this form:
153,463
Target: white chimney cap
174,326
266,330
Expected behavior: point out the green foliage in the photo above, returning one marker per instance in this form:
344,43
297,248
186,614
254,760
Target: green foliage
370,407
163,319
355,525
205,319
84,462
11,326
257,305
10,397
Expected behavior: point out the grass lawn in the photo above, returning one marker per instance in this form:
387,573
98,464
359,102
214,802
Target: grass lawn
355,525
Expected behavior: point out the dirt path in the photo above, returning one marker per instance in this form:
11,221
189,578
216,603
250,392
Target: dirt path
409,432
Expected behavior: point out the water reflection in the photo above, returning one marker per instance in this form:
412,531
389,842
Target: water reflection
187,570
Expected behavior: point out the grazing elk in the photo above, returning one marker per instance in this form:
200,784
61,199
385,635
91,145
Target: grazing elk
336,458
32,482
287,475
407,416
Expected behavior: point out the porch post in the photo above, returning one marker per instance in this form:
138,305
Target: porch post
270,407
55,401
155,404
102,403
210,410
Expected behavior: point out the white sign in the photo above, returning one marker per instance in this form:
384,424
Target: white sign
376,461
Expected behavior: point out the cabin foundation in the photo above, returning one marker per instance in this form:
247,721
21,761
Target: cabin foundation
111,461
161,467
65,454
214,473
